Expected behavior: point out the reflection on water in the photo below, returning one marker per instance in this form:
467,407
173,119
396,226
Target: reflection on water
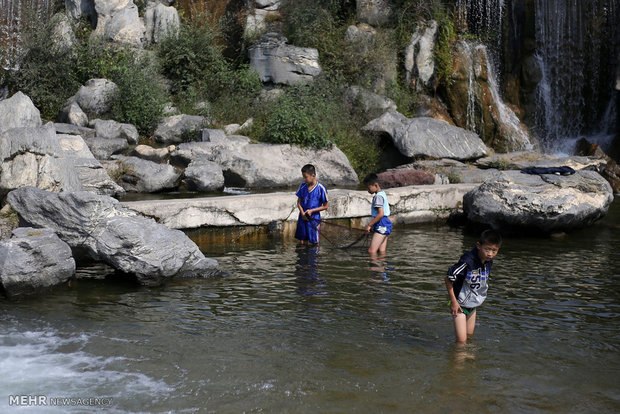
306,329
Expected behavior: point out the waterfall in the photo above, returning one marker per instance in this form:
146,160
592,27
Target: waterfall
577,47
13,16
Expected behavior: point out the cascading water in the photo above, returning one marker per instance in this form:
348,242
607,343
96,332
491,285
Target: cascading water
577,48
13,16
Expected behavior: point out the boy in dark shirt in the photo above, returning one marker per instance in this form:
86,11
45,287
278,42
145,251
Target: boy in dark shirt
467,283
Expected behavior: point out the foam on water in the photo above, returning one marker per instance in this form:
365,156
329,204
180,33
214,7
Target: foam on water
41,362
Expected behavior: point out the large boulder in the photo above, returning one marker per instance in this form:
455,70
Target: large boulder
62,35
91,174
403,177
112,129
428,137
277,62
32,156
174,129
372,104
81,8
18,111
160,21
94,97
204,176
267,165
546,203
143,176
526,159
71,113
71,129
419,55
100,227
34,260
119,21
611,170
453,171
146,152
104,148
360,38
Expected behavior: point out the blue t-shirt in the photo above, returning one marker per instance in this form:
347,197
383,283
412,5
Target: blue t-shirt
312,198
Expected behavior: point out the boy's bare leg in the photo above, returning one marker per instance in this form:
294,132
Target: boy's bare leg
378,243
471,323
460,328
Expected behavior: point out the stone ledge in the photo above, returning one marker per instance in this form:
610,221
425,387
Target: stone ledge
413,204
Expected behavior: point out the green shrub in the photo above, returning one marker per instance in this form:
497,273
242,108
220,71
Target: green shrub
193,58
444,46
140,98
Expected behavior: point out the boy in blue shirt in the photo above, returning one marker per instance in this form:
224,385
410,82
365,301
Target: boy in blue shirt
311,200
467,283
380,211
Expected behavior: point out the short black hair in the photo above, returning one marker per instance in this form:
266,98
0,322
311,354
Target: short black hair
490,237
308,169
370,179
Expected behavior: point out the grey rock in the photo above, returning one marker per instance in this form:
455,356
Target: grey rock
539,203
277,62
81,8
371,103
525,159
106,231
204,176
419,55
94,96
91,174
212,135
267,4
187,152
143,176
428,137
71,129
34,260
361,37
104,148
62,34
71,113
18,111
160,21
112,129
32,156
119,22
147,152
171,129
374,12
453,172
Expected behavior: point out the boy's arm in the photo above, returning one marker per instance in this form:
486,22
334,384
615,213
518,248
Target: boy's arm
321,208
301,209
376,219
455,308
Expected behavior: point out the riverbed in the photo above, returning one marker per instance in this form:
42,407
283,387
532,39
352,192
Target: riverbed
307,330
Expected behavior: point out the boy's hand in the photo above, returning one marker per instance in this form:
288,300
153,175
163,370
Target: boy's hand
305,216
455,308
368,229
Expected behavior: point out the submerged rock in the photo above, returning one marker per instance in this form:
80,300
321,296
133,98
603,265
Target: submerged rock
547,203
100,227
33,260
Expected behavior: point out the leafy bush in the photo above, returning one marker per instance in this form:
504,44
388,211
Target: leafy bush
444,46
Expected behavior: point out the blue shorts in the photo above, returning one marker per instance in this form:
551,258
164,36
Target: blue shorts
384,226
306,230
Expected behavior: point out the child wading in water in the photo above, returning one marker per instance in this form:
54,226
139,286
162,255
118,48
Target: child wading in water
467,283
311,200
380,211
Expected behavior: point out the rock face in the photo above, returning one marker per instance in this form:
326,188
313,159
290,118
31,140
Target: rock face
475,103
91,174
104,148
32,156
33,260
143,176
81,8
428,137
419,58
160,21
112,129
100,227
277,62
62,34
374,12
91,99
18,111
205,176
171,129
119,21
371,103
266,165
516,202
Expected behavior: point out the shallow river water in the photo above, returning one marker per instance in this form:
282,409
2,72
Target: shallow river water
320,330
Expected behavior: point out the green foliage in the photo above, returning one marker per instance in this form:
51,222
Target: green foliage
193,58
140,98
444,46
240,89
